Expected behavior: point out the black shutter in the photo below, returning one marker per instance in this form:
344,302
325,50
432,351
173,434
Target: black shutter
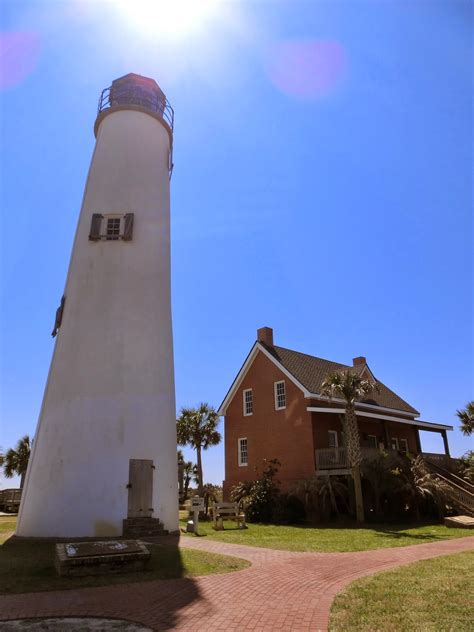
128,227
96,224
59,317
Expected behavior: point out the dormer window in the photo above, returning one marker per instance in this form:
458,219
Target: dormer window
111,227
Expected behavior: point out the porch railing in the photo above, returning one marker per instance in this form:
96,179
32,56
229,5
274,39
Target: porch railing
331,458
336,458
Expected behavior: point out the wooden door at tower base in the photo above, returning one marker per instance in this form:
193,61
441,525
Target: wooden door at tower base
140,488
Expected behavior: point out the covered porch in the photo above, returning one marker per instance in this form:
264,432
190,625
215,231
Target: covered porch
334,461
378,432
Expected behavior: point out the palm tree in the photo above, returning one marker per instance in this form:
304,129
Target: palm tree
198,428
430,485
332,488
189,472
180,473
466,417
352,388
15,461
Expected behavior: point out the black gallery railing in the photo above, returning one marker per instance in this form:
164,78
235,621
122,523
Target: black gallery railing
149,100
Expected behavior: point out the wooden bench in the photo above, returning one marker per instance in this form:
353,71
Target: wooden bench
227,511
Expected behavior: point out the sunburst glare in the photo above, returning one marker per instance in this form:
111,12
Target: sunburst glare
173,18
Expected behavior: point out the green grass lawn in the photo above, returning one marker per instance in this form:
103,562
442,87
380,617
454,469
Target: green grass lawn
7,527
330,539
29,566
433,595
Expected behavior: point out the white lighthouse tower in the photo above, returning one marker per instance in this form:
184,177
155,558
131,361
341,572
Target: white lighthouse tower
105,446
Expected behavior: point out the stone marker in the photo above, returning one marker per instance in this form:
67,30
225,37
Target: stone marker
77,559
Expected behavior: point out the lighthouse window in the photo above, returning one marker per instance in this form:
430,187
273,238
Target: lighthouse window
113,229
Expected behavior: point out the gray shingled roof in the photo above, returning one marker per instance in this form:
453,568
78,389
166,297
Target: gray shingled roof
311,371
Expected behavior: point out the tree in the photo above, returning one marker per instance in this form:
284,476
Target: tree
190,472
259,497
212,494
180,474
15,461
466,417
350,387
429,485
466,466
197,427
392,487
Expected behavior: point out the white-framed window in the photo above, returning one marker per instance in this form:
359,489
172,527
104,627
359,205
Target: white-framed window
404,445
112,228
243,451
372,440
248,402
280,395
332,439
394,443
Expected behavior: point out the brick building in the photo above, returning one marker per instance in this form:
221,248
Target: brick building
274,410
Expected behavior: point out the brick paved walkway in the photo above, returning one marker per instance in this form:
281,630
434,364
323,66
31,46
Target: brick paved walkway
280,591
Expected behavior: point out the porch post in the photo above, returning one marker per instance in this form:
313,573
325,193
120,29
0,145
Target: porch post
386,435
445,441
418,441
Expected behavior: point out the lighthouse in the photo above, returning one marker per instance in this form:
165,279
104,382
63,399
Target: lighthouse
104,454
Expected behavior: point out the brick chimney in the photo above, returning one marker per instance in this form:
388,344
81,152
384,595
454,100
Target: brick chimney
265,335
359,361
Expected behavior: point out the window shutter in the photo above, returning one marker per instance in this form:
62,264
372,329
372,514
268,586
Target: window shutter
128,226
96,224
59,317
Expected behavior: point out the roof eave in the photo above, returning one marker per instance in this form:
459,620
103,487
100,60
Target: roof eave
414,413
246,366
424,425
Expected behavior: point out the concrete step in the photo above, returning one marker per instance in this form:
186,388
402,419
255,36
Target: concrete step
465,522
143,527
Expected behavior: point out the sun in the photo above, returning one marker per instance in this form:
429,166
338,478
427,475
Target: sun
175,18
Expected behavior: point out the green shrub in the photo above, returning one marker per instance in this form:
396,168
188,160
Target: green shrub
259,498
289,509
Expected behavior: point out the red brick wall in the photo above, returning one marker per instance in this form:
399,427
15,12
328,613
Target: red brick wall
286,435
290,435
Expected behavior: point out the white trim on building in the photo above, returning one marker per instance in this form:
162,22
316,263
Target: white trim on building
279,392
243,451
429,425
247,402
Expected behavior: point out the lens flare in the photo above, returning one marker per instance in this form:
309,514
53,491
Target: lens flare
19,53
307,69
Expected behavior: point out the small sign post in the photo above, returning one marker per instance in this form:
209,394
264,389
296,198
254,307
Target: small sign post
197,505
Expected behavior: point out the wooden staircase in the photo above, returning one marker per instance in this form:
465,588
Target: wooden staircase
461,492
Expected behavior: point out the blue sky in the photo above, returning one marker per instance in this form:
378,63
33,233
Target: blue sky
322,186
